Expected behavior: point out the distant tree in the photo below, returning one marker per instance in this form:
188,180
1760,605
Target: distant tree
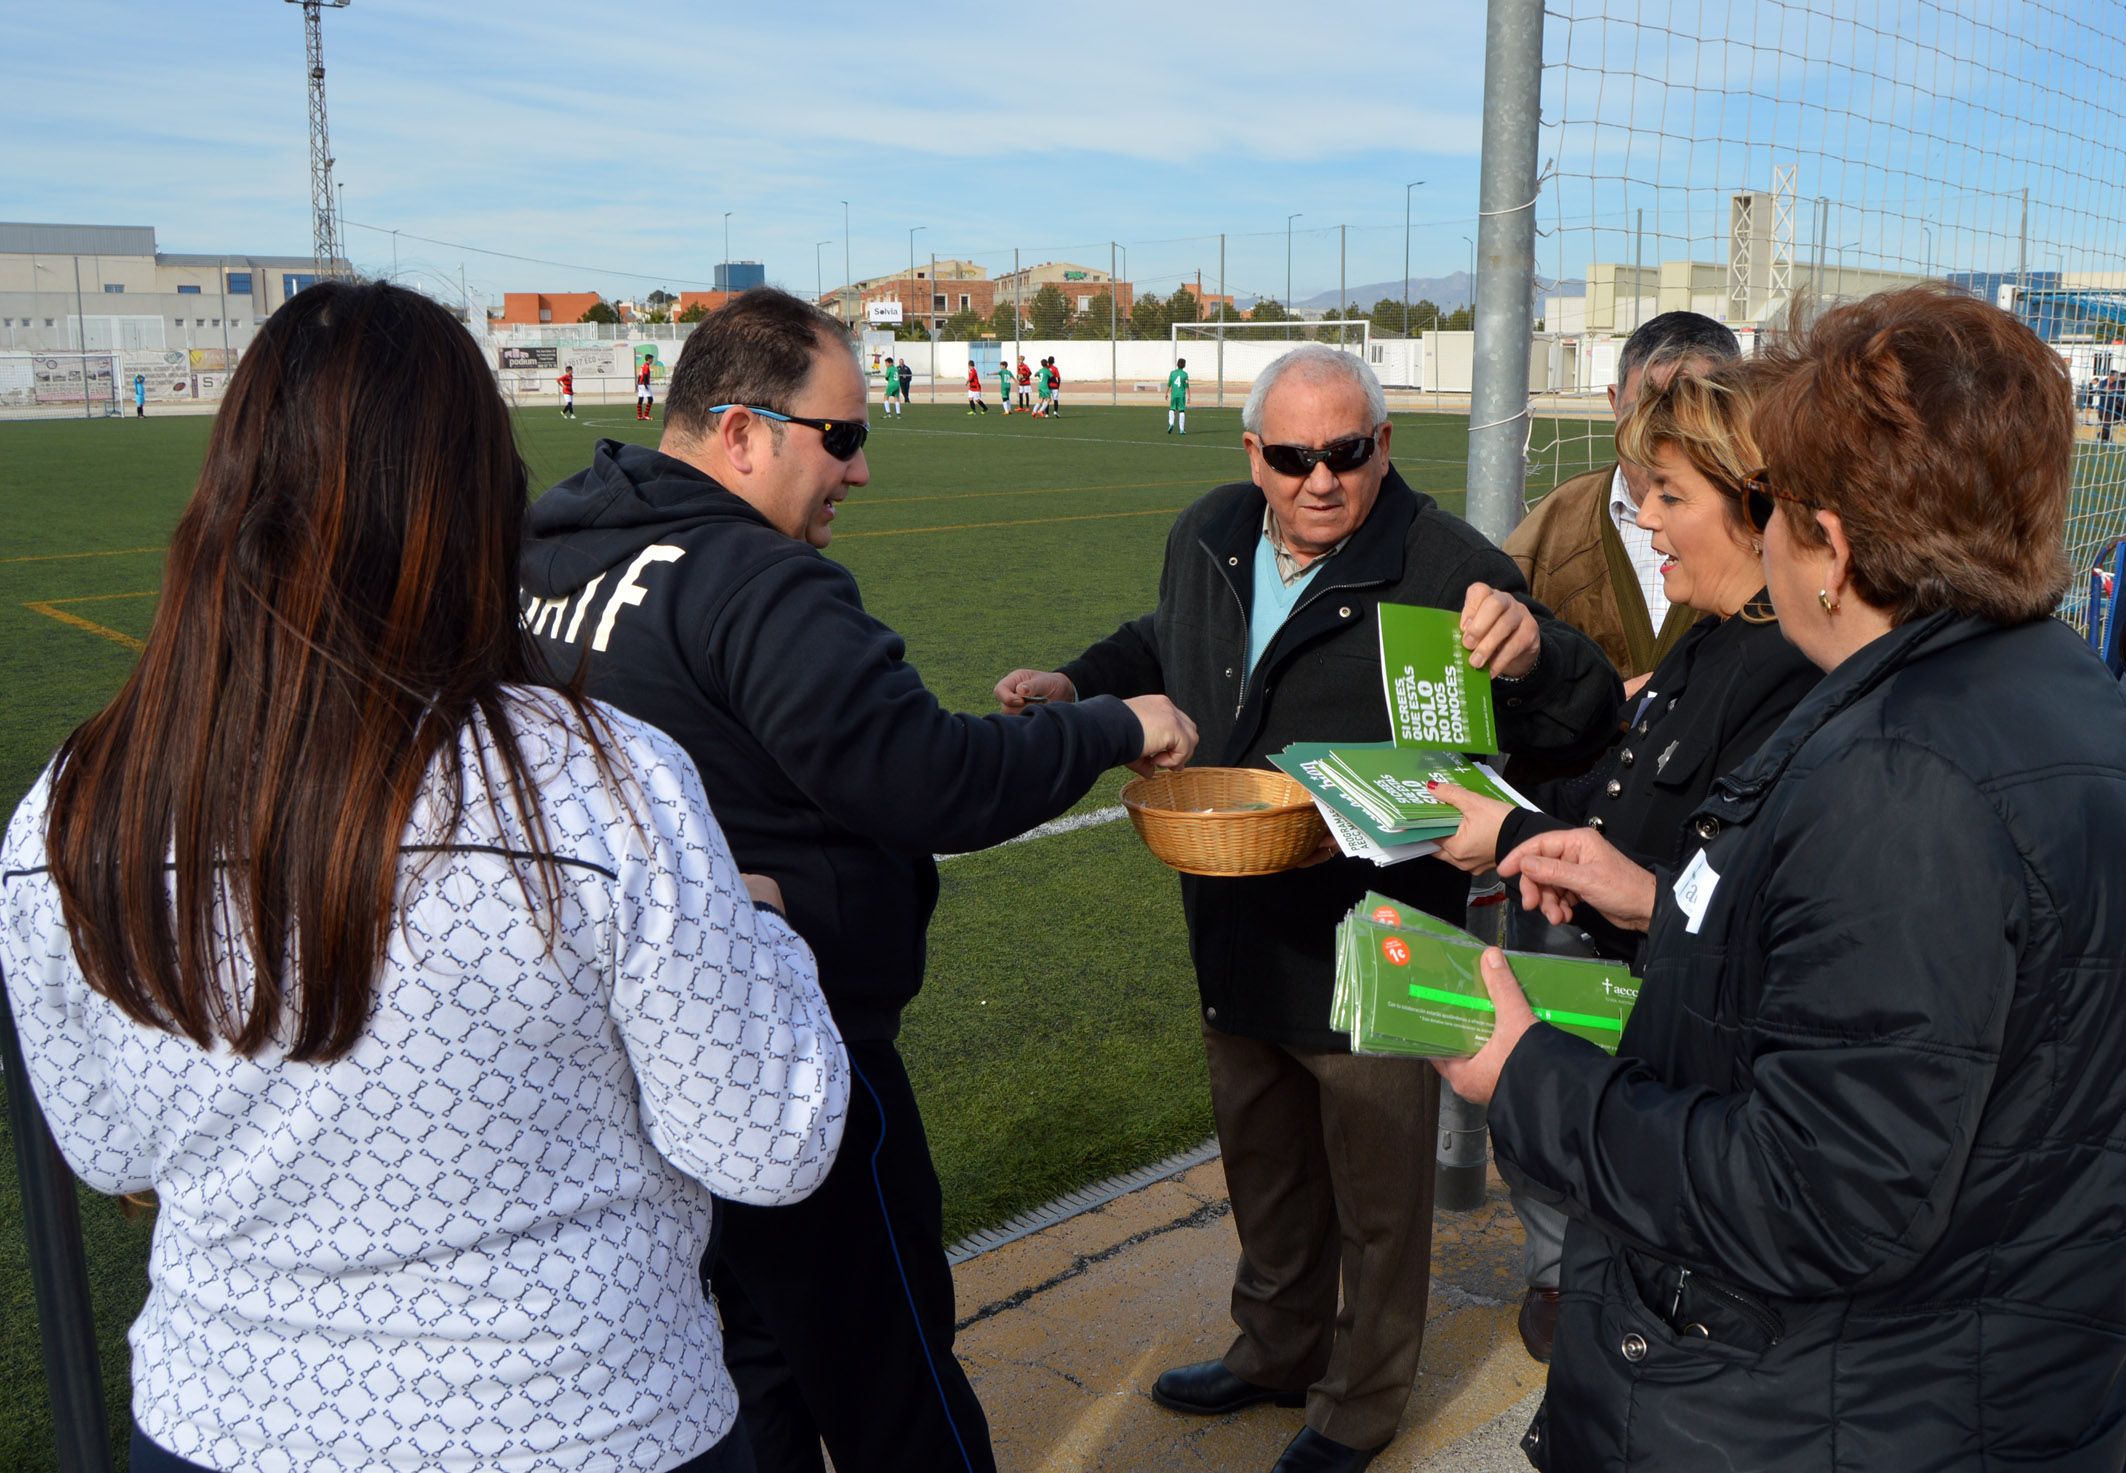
1269,309
656,316
1148,317
660,298
1049,313
599,312
1425,315
1226,312
1095,321
1462,319
1387,316
692,312
1004,322
914,330
1183,306
964,325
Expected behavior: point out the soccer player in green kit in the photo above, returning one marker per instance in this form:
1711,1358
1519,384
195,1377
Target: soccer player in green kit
1177,397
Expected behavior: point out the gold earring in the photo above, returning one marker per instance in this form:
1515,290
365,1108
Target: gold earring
1823,596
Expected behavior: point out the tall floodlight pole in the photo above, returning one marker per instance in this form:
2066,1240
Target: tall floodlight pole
1222,305
1114,389
819,280
726,284
848,279
1406,254
910,308
1498,399
1288,262
81,335
324,223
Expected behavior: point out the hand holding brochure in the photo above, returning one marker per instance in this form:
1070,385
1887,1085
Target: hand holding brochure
1410,984
1436,699
1374,797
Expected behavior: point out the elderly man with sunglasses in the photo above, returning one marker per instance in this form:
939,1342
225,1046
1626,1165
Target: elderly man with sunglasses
686,582
1265,630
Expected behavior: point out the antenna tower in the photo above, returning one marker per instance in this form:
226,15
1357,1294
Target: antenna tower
324,223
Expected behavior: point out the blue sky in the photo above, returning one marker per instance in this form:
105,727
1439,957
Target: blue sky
548,130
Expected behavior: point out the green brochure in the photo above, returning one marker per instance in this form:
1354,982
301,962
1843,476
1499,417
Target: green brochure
1435,698
1382,785
1415,988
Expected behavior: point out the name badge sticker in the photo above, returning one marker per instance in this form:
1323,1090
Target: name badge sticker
1694,891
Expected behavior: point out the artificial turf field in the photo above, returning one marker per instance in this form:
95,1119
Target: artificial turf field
1055,1041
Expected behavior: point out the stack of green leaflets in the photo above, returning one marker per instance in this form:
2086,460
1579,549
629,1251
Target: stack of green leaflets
1373,794
1436,699
1410,984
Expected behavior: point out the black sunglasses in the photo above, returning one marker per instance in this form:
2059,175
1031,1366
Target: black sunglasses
1340,456
1760,498
841,438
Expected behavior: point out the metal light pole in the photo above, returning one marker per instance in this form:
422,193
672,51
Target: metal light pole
1222,304
1406,254
1498,399
1288,262
1343,305
81,332
848,279
726,284
819,281
1114,390
394,253
931,317
341,230
1928,232
1472,279
910,307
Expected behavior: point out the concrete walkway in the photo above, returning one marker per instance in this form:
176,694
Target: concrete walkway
1063,1332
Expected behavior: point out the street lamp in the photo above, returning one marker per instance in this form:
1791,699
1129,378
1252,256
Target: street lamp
848,279
910,303
726,250
818,280
1928,231
1406,255
1288,262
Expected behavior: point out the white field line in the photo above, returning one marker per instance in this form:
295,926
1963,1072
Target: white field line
1067,825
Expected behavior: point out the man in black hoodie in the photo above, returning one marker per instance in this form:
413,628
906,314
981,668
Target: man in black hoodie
689,582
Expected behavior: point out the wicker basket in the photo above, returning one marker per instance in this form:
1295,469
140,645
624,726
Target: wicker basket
1224,820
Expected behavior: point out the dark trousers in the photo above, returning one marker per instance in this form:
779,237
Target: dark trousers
1328,1161
838,1310
729,1456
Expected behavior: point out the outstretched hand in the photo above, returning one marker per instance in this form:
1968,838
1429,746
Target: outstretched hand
1023,688
1566,867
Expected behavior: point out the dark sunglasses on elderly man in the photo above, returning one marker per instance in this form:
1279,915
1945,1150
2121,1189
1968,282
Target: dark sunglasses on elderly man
841,438
1341,456
1760,498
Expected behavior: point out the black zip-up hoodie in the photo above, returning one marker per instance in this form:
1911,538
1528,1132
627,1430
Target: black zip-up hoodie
829,766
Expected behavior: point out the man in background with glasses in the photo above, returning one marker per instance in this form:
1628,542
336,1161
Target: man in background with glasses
1266,632
687,582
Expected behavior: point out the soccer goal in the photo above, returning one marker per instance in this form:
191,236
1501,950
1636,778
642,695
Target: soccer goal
1225,357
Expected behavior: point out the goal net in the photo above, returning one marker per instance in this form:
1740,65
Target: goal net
1224,358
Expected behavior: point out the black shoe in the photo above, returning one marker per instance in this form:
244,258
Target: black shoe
1310,1452
1208,1389
1539,1322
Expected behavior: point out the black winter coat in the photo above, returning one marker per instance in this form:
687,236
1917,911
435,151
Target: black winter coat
1710,704
828,764
1852,1195
1264,947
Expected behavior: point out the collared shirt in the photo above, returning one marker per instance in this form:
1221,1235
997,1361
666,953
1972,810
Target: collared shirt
1639,546
1272,604
1289,568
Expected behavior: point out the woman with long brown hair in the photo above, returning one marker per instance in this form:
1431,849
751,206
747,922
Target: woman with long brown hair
431,1005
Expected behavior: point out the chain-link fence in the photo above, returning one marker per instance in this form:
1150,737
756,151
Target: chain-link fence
1734,161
